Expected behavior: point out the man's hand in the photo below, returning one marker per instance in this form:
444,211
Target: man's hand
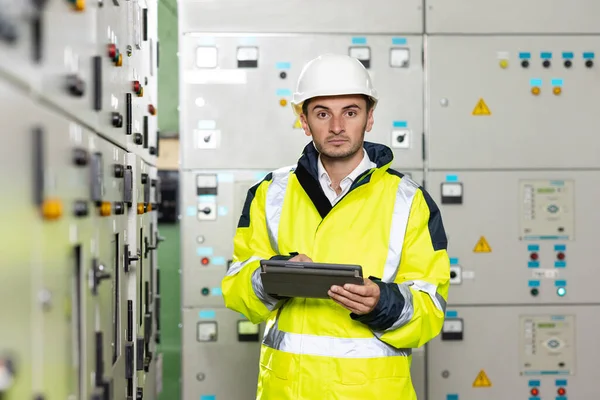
301,258
360,299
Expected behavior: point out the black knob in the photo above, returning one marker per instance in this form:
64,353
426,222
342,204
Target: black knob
138,138
119,171
205,291
117,120
546,63
568,63
75,85
119,208
589,63
452,274
81,208
206,210
534,292
80,157
144,179
283,75
152,150
525,64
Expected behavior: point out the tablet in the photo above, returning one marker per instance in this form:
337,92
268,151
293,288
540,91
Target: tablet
306,279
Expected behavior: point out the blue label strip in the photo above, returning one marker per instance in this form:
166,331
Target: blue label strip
217,291
283,65
525,55
546,238
359,40
400,124
451,397
535,82
398,40
451,178
588,55
533,264
451,314
546,55
561,382
218,261
560,264
560,283
207,314
204,251
453,261
567,55
533,247
284,92
534,383
533,283
560,247
556,82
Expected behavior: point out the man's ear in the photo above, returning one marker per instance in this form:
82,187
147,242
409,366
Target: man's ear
370,120
305,126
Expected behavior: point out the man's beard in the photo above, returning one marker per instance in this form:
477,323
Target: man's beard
356,147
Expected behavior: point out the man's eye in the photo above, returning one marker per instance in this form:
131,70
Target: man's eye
351,113
322,115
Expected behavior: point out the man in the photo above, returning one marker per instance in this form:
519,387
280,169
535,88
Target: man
341,204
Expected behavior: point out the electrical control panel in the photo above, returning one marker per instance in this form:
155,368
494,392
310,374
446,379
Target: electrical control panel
71,266
492,106
295,16
220,342
516,236
212,203
541,353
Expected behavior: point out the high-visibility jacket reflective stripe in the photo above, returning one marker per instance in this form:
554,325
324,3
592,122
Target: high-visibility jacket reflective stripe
275,196
327,346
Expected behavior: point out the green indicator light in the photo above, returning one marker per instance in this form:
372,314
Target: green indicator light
561,291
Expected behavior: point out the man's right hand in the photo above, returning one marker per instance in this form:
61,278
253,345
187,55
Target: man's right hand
301,258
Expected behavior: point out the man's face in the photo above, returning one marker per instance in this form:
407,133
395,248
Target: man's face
337,124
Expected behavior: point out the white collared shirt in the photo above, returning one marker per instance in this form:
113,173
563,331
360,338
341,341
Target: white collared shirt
325,181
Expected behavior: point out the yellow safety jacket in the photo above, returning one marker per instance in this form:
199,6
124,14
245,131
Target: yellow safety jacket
314,349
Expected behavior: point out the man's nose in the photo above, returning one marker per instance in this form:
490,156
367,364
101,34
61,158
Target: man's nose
337,125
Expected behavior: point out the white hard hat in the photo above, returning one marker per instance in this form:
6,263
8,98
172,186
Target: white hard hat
331,75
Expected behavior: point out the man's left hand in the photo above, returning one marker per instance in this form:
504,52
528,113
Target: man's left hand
360,299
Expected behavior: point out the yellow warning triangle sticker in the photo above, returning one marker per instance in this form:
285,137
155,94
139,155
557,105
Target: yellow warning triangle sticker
482,380
482,246
481,108
298,124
